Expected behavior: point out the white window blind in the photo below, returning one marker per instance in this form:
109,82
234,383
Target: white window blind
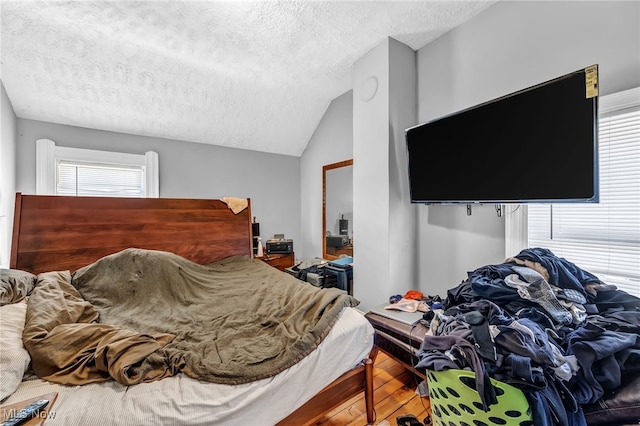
105,180
602,238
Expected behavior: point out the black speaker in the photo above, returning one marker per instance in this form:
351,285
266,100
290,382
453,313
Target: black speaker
255,230
343,226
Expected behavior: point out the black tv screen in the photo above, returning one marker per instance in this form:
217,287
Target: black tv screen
539,145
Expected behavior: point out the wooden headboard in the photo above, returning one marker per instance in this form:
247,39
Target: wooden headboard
54,233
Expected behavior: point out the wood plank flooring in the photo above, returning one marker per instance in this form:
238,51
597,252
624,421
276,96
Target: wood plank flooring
394,395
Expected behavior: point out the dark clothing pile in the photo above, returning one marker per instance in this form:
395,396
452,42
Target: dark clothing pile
543,325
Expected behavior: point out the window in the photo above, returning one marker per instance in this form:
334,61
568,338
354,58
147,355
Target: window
602,238
85,172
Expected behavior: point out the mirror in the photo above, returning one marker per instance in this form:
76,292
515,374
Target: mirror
337,209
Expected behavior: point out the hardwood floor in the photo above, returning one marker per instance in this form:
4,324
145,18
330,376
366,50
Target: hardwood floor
394,395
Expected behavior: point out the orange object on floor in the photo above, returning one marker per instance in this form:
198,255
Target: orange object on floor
413,294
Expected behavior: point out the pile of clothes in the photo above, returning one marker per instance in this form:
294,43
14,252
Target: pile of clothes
543,325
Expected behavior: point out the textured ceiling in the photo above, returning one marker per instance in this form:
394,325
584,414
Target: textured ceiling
251,75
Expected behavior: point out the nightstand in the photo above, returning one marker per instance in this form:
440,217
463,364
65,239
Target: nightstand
279,261
398,340
337,251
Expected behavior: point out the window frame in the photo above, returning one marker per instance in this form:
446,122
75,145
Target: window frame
516,216
48,154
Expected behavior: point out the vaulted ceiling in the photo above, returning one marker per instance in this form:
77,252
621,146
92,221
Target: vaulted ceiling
255,75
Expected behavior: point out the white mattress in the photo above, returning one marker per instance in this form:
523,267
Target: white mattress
180,400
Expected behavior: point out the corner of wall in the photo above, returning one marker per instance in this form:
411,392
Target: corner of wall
8,141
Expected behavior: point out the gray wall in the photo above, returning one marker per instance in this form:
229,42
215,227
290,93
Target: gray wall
385,245
332,141
187,170
510,46
403,241
8,125
371,215
507,47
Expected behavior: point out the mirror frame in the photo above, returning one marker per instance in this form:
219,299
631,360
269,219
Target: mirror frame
325,169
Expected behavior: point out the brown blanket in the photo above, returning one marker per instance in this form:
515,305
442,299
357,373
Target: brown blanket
67,346
234,321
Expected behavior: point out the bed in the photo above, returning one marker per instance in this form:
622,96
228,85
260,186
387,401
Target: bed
81,235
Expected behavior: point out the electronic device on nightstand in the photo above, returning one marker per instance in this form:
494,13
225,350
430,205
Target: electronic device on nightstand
280,245
337,240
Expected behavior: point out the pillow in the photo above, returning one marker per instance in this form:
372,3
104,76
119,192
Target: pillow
14,358
15,286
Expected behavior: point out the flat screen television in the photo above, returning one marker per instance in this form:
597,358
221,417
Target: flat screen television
537,145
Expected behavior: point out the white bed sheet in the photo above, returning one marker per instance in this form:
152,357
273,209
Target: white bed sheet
180,400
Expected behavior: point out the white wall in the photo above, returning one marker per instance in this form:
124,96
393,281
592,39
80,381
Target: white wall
403,98
332,141
385,221
187,170
7,175
507,47
510,46
371,281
